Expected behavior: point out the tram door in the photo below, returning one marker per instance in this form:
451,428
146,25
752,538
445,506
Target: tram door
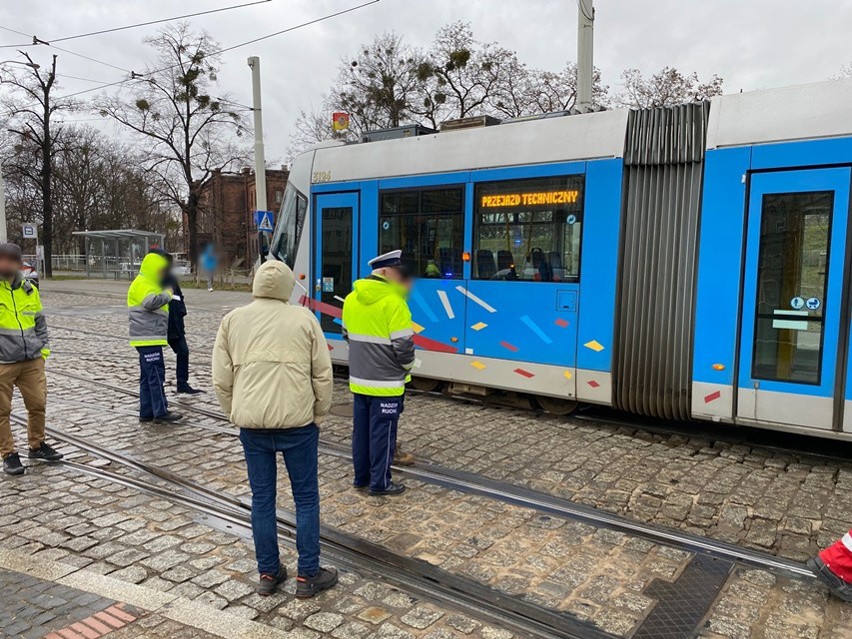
792,290
336,253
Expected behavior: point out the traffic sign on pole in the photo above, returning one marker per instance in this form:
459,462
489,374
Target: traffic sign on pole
265,221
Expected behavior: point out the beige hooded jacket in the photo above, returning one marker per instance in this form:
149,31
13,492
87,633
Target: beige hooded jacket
271,367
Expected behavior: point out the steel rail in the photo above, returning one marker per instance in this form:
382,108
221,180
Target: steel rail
413,574
536,500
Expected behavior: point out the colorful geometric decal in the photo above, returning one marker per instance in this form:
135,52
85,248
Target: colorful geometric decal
479,326
536,329
478,365
476,300
509,347
593,384
594,345
561,323
568,375
712,397
417,298
333,311
330,347
417,328
445,302
523,373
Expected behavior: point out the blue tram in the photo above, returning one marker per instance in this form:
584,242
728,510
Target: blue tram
688,263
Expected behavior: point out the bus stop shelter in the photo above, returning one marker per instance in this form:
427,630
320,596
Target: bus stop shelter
117,253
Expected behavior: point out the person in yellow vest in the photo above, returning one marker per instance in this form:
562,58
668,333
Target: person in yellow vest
148,305
377,326
23,349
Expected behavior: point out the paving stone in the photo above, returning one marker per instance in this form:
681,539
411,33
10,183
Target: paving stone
324,622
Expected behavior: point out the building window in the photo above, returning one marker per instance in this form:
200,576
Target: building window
428,225
529,230
278,195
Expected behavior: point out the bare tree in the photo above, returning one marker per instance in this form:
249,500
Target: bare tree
377,87
32,107
669,87
189,134
463,75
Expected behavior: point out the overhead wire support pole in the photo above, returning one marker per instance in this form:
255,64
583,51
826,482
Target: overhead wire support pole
585,54
259,156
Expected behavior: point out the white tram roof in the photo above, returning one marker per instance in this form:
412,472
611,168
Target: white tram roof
561,139
805,111
808,111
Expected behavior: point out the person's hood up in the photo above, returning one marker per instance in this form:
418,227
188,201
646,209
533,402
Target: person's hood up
152,266
274,280
373,289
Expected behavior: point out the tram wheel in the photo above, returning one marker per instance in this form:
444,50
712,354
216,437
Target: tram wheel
424,384
556,405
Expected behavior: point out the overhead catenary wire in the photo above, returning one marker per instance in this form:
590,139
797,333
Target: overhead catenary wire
38,41
79,55
230,48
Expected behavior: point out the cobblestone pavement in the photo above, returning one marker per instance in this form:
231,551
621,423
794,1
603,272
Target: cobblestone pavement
700,486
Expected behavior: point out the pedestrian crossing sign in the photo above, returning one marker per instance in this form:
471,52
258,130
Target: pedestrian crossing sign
264,221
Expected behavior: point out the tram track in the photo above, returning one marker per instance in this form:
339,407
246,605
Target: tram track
525,497
414,575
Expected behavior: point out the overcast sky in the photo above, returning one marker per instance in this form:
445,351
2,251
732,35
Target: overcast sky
752,44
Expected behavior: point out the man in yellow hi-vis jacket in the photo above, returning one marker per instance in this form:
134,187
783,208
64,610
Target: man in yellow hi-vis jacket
23,349
148,305
377,325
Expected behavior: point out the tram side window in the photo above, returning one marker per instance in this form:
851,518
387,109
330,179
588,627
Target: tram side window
288,233
529,230
428,225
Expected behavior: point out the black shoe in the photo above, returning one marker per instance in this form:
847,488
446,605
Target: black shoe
146,420
392,489
168,418
836,585
360,489
188,390
307,587
12,464
269,583
45,452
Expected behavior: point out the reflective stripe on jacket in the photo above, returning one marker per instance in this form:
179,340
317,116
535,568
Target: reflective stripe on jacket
23,329
148,304
377,325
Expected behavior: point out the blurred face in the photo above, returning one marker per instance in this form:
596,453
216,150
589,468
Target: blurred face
399,277
9,267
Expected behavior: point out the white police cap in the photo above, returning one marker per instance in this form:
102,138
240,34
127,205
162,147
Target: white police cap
390,259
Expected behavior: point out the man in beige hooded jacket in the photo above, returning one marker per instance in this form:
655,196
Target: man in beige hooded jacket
272,373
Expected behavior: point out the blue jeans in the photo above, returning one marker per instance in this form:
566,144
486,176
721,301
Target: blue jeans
152,376
375,422
299,448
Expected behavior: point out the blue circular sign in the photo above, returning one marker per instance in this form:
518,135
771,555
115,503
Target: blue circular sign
797,303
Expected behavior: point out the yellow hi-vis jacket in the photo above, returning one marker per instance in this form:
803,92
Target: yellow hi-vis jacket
23,329
377,325
148,304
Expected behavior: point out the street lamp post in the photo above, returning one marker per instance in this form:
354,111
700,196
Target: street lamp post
3,234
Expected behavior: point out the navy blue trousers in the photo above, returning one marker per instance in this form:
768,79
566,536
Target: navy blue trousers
375,422
181,349
152,376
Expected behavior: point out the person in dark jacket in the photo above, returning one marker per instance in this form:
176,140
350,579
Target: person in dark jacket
177,329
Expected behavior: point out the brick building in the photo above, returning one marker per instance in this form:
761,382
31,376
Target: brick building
226,213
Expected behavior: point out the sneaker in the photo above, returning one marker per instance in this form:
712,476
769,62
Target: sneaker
45,452
269,583
403,459
392,489
145,420
12,464
307,587
839,588
209,290
168,418
188,390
